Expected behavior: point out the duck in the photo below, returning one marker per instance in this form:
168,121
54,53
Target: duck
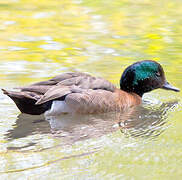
77,92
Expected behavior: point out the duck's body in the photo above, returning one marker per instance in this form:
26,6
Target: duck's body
82,93
72,93
94,101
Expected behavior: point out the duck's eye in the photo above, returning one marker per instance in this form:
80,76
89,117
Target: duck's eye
158,74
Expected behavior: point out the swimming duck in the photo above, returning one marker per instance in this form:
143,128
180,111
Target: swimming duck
82,93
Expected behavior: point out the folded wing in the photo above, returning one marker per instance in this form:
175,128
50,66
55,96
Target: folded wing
68,83
76,89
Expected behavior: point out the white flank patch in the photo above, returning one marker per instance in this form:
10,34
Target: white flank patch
57,108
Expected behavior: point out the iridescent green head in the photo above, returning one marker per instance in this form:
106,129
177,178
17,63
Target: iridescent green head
144,76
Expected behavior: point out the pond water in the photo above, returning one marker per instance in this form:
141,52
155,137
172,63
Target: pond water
40,39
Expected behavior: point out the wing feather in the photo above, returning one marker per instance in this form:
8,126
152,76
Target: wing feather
67,83
54,93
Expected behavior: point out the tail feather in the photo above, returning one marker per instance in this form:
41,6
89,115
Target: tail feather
25,101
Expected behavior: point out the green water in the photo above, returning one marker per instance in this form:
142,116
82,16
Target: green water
40,39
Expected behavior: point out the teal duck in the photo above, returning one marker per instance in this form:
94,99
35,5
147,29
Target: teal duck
77,92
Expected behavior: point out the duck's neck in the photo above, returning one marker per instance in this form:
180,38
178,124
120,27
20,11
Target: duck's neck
126,99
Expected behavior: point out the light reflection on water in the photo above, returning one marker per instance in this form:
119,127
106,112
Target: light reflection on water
137,122
41,39
88,134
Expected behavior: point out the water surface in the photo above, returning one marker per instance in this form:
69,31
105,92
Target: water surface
40,39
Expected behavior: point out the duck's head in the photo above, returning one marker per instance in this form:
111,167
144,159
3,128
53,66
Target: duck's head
144,76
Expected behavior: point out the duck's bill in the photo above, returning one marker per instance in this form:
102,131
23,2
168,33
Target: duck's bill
169,87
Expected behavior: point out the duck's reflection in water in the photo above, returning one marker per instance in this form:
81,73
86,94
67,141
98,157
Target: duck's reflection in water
147,122
141,121
28,125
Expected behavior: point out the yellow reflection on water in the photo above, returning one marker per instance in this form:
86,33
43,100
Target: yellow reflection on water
40,39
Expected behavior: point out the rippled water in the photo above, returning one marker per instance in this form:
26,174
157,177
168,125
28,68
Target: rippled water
40,39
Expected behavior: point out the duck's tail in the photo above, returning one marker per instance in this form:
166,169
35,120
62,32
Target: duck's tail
25,101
